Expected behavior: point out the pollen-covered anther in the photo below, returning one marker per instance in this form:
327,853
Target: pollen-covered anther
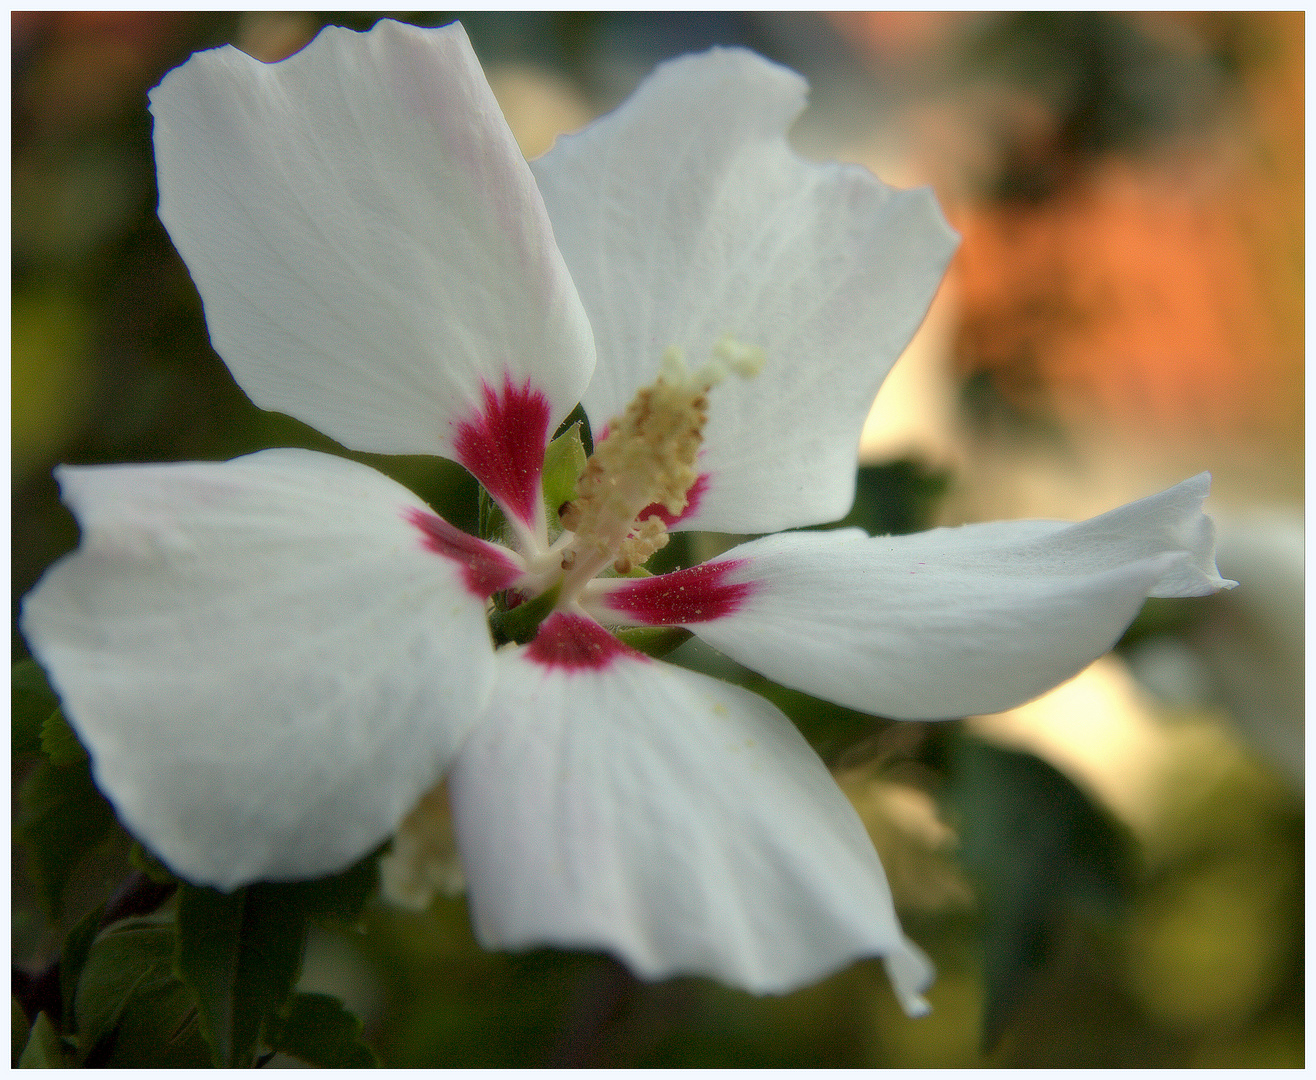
648,457
569,515
648,536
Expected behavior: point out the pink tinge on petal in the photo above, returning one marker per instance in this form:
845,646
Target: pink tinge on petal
576,643
692,499
486,567
696,595
503,445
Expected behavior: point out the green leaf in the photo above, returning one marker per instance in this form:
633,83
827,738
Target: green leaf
564,461
1040,850
318,1030
239,953
43,1050
131,1008
59,742
61,817
32,701
73,959
130,957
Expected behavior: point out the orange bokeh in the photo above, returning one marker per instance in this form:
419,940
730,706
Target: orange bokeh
1160,289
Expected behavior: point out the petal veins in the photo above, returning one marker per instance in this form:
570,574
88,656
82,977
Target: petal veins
503,445
697,594
576,643
486,567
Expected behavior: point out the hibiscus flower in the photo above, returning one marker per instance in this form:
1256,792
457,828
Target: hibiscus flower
273,661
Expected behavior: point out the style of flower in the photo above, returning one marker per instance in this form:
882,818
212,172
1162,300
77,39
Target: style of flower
275,659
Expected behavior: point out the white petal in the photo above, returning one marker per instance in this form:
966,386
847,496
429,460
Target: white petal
953,622
266,658
369,243
684,216
610,801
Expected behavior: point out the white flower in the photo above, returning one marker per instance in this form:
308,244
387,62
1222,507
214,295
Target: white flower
273,659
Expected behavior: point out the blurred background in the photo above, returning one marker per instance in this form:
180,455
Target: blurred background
1109,876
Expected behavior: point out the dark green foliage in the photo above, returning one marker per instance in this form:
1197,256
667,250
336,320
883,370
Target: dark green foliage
338,898
44,1049
1164,615
61,816
190,985
131,1009
240,952
1040,850
1107,85
19,1029
73,958
32,702
205,981
149,865
832,730
895,498
316,1029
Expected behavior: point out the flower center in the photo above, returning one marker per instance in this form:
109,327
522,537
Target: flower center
646,459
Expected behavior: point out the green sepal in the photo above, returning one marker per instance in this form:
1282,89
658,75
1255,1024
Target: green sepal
522,622
564,461
31,703
493,523
73,959
319,1030
654,641
44,1049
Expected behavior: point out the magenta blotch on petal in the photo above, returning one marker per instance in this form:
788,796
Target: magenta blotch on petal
503,445
576,643
693,497
698,594
486,568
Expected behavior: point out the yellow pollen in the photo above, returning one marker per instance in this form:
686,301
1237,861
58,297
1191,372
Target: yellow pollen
647,458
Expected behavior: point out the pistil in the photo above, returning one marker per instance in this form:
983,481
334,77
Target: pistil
646,459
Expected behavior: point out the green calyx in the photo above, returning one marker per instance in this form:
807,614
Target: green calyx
521,623
564,461
653,641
